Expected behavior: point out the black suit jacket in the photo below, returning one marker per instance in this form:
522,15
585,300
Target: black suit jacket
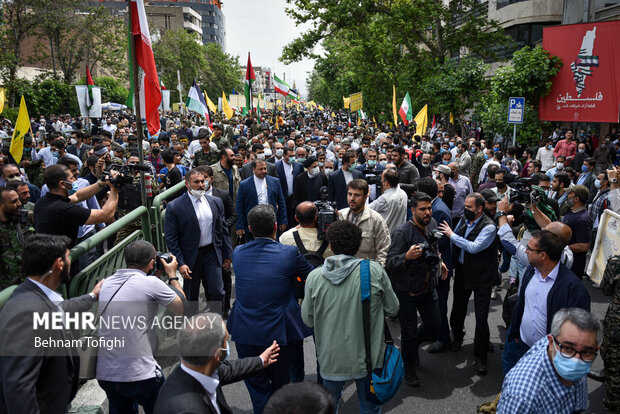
338,187
246,171
308,189
35,381
71,149
182,393
230,212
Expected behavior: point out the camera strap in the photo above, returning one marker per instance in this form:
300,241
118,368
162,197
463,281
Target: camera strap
415,226
428,273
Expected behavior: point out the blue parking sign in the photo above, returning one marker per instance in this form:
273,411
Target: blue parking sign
515,110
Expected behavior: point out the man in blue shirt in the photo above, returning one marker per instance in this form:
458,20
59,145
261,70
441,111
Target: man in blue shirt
476,271
551,377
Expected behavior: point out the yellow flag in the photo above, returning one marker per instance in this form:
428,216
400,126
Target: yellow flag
225,107
210,104
333,115
374,121
346,101
22,126
421,120
359,121
2,99
451,119
394,110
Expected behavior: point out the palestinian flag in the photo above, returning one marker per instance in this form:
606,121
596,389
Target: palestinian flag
249,79
89,90
293,93
405,110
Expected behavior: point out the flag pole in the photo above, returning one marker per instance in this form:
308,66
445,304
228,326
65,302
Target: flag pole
136,109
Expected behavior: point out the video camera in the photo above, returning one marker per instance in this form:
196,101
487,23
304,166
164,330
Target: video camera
125,173
521,190
326,214
372,176
429,254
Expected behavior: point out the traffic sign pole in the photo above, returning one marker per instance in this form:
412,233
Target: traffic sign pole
514,134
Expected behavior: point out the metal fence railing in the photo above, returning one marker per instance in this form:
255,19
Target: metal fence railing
152,230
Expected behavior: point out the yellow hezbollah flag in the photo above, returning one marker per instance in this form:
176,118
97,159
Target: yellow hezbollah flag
2,99
346,102
225,107
22,126
451,119
421,120
210,104
394,110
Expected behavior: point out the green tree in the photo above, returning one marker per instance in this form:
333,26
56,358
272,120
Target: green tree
46,95
222,73
528,75
111,89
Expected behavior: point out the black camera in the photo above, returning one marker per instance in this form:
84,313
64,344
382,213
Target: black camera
125,173
521,190
22,217
167,258
326,214
429,253
372,176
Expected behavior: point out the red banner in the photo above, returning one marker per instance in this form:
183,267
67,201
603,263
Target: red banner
587,88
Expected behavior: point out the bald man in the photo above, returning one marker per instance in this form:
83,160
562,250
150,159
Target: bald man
306,216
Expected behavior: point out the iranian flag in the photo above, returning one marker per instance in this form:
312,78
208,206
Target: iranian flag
405,110
433,127
150,92
163,87
281,87
249,79
89,90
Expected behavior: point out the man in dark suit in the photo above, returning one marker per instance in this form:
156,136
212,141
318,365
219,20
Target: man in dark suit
259,154
231,218
373,169
195,385
43,379
288,170
196,233
79,149
308,184
259,189
266,307
338,180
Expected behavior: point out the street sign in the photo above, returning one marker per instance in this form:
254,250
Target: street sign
515,110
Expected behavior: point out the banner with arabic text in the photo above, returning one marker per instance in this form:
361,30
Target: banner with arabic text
587,88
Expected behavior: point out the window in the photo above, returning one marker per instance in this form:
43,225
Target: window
504,3
215,26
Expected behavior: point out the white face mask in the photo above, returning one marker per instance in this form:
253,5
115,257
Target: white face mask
260,156
197,193
328,170
73,141
279,153
315,171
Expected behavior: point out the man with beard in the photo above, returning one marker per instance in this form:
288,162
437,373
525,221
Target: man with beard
40,379
413,275
13,234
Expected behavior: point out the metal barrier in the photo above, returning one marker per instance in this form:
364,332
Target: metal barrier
158,212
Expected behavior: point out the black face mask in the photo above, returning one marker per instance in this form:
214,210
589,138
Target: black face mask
501,185
155,151
469,215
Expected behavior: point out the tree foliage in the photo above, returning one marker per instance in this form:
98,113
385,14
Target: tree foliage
528,75
214,70
371,45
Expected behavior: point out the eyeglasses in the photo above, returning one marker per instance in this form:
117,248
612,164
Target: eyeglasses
529,249
10,177
569,351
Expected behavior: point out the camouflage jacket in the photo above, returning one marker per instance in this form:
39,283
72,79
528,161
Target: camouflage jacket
610,286
206,158
11,271
477,162
221,143
33,169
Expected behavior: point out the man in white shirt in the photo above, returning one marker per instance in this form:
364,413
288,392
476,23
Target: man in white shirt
108,126
545,155
392,204
195,385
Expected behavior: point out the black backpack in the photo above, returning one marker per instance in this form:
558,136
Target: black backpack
314,258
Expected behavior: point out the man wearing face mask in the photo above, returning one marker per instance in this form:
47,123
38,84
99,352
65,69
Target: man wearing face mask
288,170
580,156
195,385
307,186
33,380
259,154
339,180
476,270
559,167
551,378
580,223
545,155
59,212
371,168
425,169
154,156
600,202
196,233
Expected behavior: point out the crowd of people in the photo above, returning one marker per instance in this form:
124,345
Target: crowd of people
295,209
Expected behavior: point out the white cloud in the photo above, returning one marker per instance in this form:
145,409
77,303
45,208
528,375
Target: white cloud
262,28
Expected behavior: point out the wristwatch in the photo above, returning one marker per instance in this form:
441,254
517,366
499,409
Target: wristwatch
170,279
500,213
92,296
613,180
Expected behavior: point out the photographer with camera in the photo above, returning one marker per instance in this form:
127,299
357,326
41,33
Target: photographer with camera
414,264
307,238
129,374
59,213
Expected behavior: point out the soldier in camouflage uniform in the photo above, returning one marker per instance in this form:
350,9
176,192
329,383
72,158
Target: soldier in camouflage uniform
207,155
477,162
33,169
610,351
129,198
13,233
218,139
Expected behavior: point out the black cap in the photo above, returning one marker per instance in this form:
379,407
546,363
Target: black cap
309,161
489,195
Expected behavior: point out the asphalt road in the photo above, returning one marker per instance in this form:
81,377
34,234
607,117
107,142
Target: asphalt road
449,380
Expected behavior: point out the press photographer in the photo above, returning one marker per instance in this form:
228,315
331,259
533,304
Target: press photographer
372,173
414,264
